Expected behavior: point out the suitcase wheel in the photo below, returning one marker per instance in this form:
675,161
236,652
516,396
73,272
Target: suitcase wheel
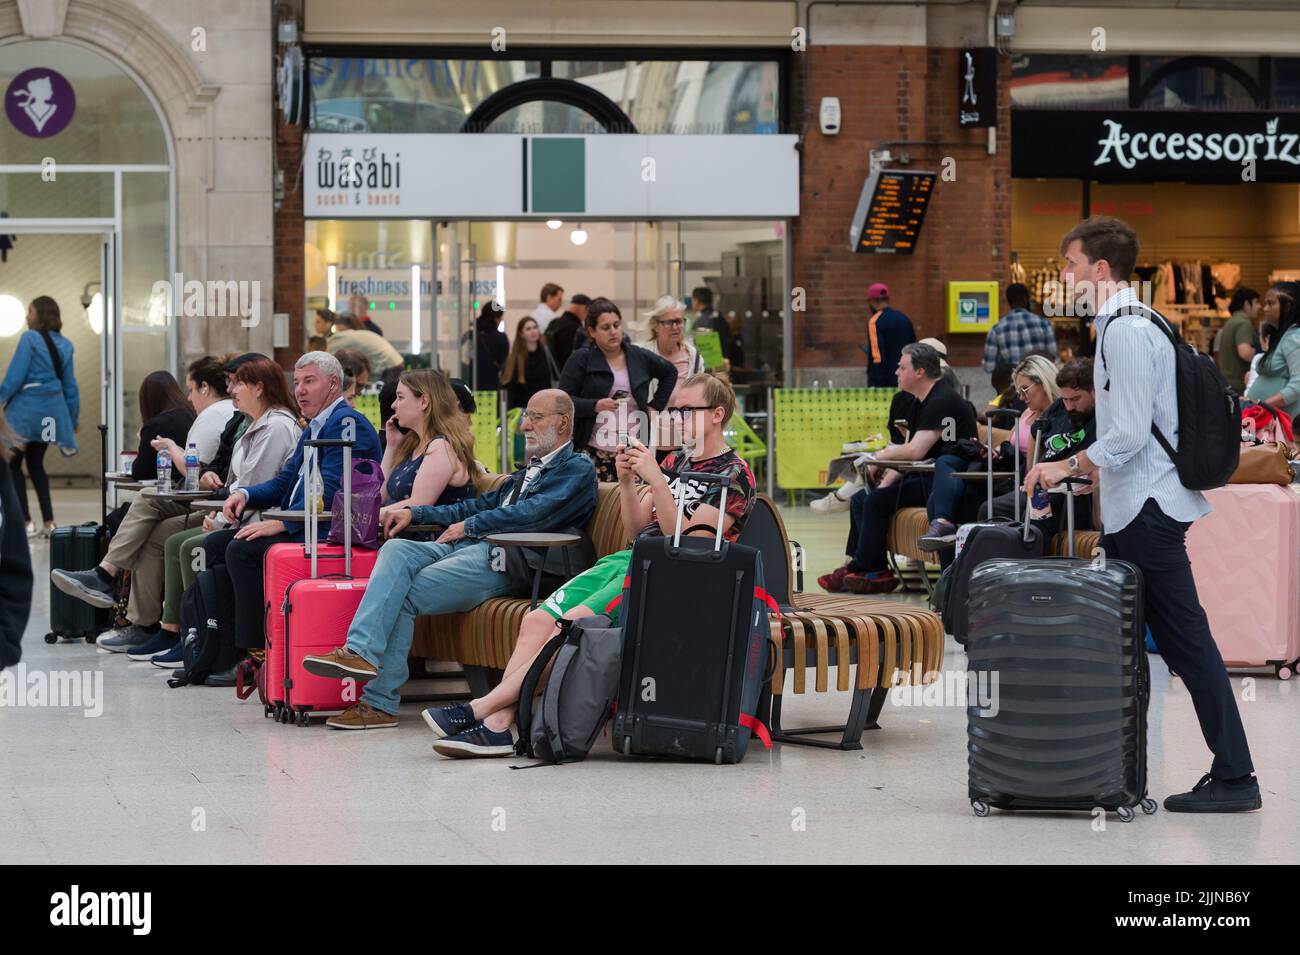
1149,806
267,709
303,718
981,809
51,638
1125,813
627,746
1284,671
717,756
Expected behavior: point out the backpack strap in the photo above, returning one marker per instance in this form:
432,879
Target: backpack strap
528,689
1164,325
55,359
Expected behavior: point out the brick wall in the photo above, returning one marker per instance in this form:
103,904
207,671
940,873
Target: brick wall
289,278
890,94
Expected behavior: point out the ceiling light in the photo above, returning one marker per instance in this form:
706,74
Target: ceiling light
578,237
553,224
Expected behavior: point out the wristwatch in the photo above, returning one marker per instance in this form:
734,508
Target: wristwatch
1074,464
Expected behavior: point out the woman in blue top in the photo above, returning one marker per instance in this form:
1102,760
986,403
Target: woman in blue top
40,398
433,461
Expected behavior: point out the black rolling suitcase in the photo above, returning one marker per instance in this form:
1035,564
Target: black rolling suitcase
695,646
1012,540
80,547
1058,662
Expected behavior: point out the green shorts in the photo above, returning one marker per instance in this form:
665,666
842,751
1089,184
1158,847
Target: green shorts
593,588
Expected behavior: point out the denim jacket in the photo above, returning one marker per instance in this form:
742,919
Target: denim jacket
562,495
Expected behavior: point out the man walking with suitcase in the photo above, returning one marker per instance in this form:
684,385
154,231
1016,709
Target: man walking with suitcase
1145,508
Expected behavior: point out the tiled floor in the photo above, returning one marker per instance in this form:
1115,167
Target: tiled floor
194,776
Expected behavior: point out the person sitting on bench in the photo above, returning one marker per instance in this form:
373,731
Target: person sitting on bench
456,573
701,406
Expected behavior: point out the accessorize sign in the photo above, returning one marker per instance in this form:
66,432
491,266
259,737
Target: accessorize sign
498,176
1155,145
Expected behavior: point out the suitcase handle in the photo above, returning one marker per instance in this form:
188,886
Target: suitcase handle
701,477
1014,414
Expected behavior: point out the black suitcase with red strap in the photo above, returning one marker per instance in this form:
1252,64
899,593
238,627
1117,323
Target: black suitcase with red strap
695,645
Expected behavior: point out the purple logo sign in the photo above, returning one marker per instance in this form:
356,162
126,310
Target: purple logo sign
40,102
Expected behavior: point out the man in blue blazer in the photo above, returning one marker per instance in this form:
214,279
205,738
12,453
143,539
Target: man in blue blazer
318,387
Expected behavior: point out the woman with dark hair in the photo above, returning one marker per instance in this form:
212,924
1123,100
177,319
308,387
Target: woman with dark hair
530,366
206,381
493,348
42,402
15,559
260,393
608,371
1278,383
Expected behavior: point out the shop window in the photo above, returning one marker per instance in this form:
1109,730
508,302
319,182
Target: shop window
391,95
1054,81
394,95
111,119
1200,83
1286,83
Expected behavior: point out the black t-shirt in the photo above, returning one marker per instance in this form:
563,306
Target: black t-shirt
947,412
174,424
1063,434
900,409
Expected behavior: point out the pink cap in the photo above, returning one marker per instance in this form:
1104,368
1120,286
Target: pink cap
879,290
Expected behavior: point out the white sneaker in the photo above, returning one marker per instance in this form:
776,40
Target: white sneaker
830,504
31,529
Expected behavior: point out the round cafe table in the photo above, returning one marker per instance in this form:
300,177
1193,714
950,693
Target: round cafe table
535,541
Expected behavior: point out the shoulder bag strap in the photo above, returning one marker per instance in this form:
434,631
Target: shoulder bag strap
54,354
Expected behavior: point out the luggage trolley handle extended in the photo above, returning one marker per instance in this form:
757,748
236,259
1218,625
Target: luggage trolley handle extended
311,454
1014,415
701,477
1069,482
1038,454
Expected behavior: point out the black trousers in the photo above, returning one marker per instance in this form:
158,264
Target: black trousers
243,560
870,514
1156,544
34,457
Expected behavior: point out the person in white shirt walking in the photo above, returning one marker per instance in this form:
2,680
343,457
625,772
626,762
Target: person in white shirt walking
1145,508
548,306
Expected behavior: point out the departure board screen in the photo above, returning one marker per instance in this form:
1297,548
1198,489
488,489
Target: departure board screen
890,211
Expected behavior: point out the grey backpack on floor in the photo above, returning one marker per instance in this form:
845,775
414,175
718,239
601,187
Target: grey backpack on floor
561,724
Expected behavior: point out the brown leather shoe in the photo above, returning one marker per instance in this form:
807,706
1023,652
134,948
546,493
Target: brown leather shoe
341,664
361,716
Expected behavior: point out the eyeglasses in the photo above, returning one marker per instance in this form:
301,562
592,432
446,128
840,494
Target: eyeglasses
672,322
536,416
681,412
1023,390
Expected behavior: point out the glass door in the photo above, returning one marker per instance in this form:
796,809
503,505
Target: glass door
111,403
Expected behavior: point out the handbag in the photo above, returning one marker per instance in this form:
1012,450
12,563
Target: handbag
367,497
1262,464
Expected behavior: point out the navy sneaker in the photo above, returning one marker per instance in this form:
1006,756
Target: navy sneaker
162,641
449,720
171,660
477,740
85,585
1216,795
941,534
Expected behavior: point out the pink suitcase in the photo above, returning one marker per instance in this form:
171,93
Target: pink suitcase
284,566
312,592
1246,560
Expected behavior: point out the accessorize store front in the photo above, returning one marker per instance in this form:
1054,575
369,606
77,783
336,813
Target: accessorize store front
433,185
1200,154
86,218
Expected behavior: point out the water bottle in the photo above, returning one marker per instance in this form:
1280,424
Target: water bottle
192,467
164,469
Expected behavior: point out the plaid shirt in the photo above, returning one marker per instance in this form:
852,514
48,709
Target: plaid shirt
1016,334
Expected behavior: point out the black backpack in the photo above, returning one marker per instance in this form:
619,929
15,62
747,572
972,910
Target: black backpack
1209,413
207,627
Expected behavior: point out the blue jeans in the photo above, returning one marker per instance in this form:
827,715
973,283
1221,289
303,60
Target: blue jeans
412,578
945,498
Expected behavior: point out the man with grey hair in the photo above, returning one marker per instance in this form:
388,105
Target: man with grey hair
936,421
458,571
318,387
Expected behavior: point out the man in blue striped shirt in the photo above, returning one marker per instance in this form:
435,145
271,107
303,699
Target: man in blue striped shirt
1145,508
1018,333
